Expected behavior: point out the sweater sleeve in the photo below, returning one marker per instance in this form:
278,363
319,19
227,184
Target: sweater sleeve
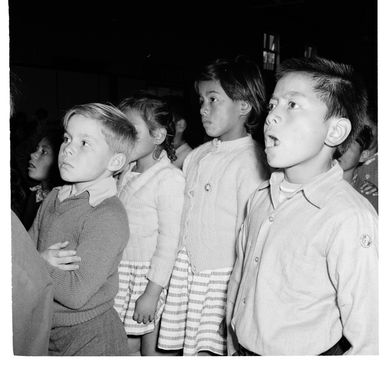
353,268
101,242
35,227
169,208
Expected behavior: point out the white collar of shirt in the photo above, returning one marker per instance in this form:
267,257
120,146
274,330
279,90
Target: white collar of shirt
217,144
98,191
316,191
370,160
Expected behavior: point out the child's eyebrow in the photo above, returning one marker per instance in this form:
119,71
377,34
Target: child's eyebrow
295,94
212,91
289,94
45,146
87,136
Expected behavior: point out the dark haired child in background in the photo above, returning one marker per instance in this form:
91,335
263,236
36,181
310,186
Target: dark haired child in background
220,176
305,280
181,121
350,159
366,174
88,219
151,190
43,169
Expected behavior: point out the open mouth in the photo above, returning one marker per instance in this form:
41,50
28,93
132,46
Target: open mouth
31,165
271,141
65,165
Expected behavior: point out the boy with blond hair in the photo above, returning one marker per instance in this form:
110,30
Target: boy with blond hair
88,219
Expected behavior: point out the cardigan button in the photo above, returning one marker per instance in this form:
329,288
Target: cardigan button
207,187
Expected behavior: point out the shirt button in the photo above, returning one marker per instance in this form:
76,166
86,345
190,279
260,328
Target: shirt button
207,187
256,259
271,218
244,300
192,193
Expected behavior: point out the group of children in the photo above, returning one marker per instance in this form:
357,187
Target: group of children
221,257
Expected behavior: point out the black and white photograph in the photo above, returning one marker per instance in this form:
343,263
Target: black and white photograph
192,178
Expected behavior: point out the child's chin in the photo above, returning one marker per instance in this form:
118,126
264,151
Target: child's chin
65,177
273,163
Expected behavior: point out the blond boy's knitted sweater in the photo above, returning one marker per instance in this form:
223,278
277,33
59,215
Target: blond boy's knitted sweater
98,234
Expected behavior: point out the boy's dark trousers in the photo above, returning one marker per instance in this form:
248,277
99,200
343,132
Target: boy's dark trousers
337,350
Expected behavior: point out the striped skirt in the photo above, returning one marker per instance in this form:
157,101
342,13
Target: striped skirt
132,283
195,307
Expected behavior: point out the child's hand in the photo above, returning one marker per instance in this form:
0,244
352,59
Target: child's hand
369,188
145,306
62,259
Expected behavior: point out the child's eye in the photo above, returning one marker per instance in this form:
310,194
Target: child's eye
293,105
213,99
84,143
65,139
270,106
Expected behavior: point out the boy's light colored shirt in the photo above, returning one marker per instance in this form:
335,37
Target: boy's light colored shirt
306,270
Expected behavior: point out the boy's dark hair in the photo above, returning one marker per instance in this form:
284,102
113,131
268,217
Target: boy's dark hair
119,132
365,137
241,79
338,86
156,113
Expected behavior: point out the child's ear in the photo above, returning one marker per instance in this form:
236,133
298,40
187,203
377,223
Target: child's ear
364,156
245,108
117,162
159,135
339,130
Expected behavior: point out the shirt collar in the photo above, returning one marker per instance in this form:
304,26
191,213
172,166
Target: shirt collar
217,144
40,192
98,191
316,191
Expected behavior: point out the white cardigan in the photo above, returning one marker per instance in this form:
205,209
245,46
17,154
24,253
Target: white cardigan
220,177
154,202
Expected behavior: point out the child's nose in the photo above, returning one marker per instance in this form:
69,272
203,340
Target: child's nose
203,109
68,150
271,118
34,155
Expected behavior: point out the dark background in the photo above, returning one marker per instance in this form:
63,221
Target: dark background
66,52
